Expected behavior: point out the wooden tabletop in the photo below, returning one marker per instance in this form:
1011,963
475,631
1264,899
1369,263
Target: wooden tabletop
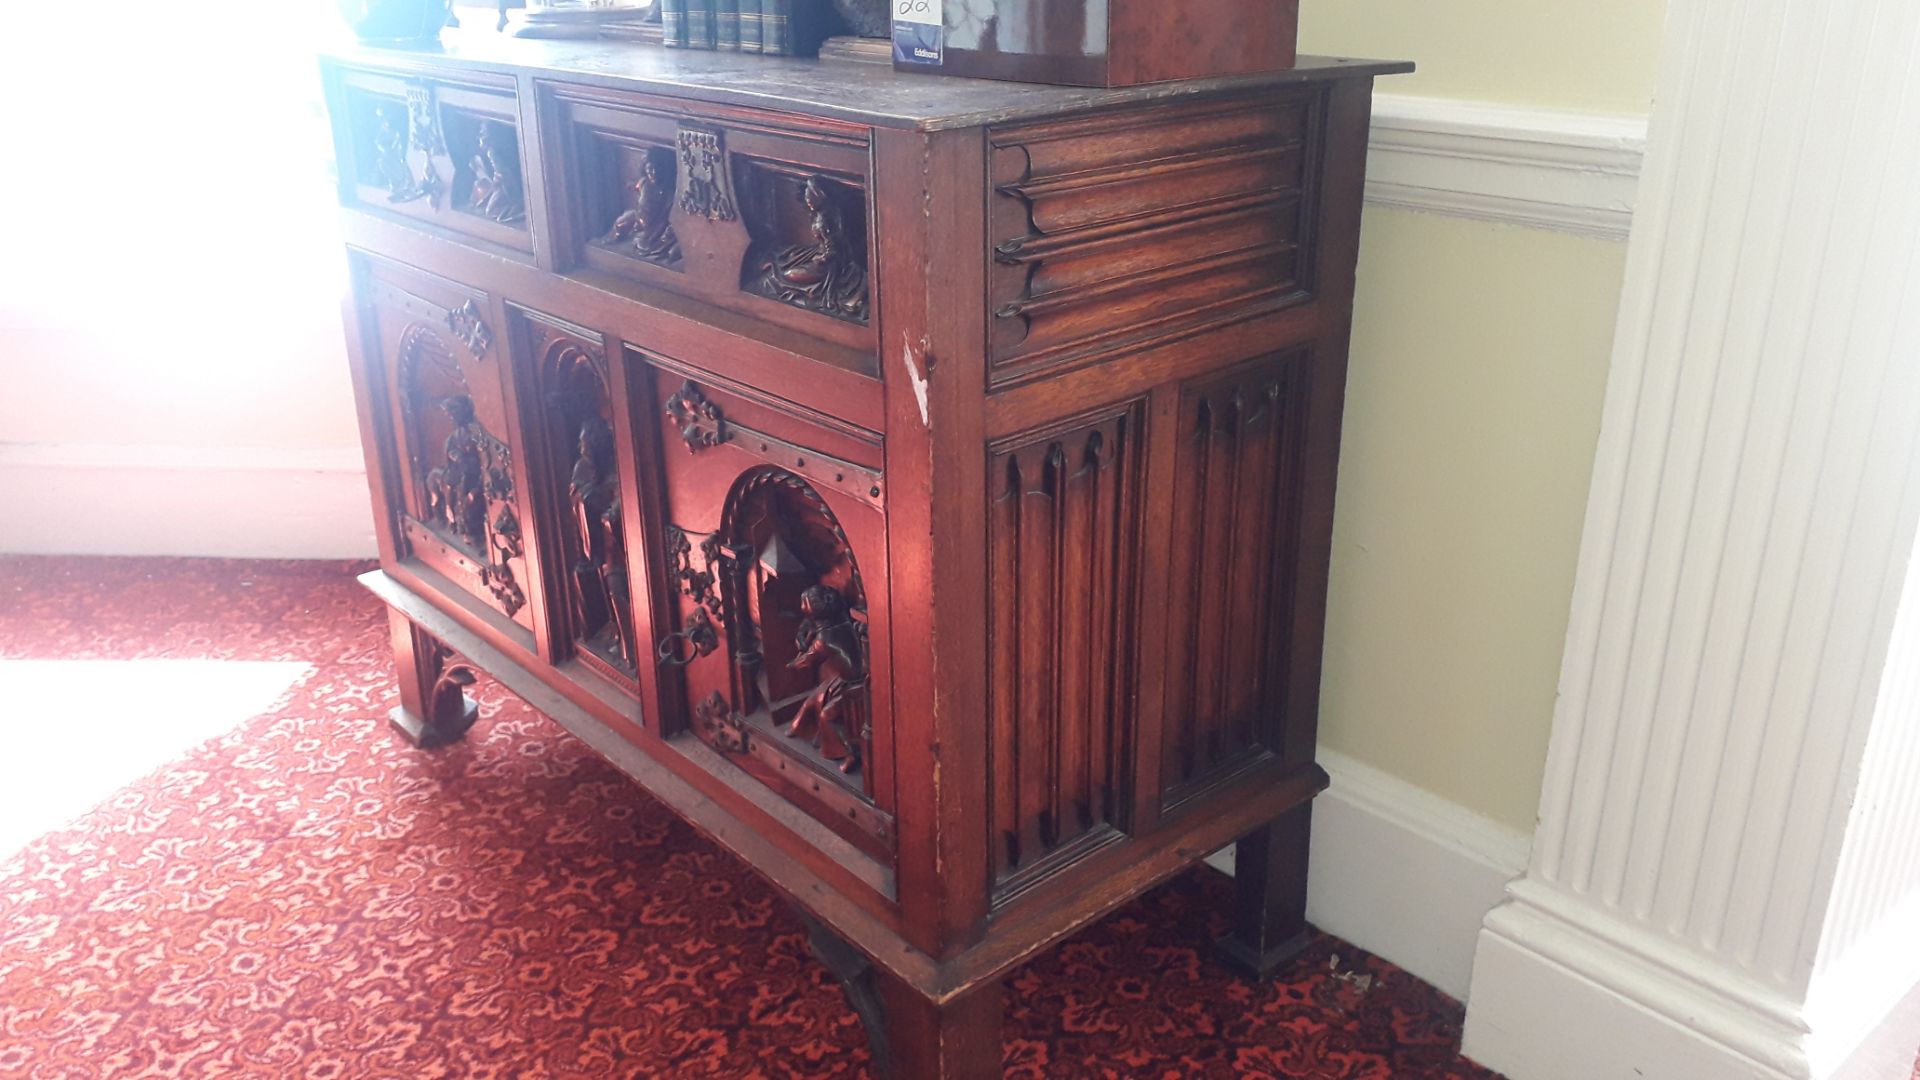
866,93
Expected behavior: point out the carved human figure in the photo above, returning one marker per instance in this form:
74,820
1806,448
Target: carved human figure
828,644
496,189
825,273
390,160
614,573
594,491
456,489
647,224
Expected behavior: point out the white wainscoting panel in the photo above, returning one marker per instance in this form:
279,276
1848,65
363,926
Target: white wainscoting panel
236,502
1542,168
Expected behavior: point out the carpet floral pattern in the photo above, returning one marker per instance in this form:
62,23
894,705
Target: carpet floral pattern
307,897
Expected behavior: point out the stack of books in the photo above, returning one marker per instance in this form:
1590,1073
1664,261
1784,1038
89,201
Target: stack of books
771,27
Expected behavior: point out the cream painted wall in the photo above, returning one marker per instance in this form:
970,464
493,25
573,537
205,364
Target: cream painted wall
1473,406
170,311
1572,54
1479,361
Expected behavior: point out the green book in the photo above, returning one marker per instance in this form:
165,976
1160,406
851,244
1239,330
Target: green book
750,26
726,25
700,30
776,27
673,23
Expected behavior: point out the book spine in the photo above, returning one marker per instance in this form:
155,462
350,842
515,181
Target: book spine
750,26
673,23
776,27
700,24
726,24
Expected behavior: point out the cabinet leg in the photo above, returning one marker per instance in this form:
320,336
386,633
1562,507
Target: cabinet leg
434,708
910,1036
1270,896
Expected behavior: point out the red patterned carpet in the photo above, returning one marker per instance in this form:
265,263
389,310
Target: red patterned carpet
306,897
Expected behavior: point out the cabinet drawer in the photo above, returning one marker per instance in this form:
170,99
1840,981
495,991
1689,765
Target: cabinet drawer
444,153
774,539
455,478
767,219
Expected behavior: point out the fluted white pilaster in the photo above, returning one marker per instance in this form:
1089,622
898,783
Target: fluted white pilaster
1723,821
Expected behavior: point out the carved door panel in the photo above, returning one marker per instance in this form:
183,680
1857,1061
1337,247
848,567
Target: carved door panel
775,541
1237,477
457,481
1063,531
574,483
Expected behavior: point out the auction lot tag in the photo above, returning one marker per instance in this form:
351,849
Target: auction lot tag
918,32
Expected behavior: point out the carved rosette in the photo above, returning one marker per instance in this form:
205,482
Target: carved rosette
700,422
716,722
466,324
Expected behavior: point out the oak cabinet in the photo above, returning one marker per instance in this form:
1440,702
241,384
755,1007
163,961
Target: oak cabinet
923,486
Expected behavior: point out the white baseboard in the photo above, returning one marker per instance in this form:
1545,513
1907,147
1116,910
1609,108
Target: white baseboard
1402,872
1566,992
239,502
1542,168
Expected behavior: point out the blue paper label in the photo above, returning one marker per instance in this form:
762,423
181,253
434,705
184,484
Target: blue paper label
918,32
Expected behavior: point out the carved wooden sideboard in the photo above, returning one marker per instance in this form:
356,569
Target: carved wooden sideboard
923,486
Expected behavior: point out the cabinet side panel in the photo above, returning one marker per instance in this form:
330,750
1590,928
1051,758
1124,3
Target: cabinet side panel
1236,498
1063,524
1113,232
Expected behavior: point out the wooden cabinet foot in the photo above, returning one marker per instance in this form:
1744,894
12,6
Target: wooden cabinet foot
434,708
1270,896
912,1037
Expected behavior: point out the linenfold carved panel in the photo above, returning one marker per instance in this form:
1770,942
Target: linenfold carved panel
1236,499
1062,529
1110,232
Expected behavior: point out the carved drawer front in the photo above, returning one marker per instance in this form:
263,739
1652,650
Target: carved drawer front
1237,478
574,482
455,481
1118,230
440,152
764,218
776,549
1063,529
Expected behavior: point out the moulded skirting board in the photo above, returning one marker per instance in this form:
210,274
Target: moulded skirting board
240,502
1402,872
1610,993
1556,169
